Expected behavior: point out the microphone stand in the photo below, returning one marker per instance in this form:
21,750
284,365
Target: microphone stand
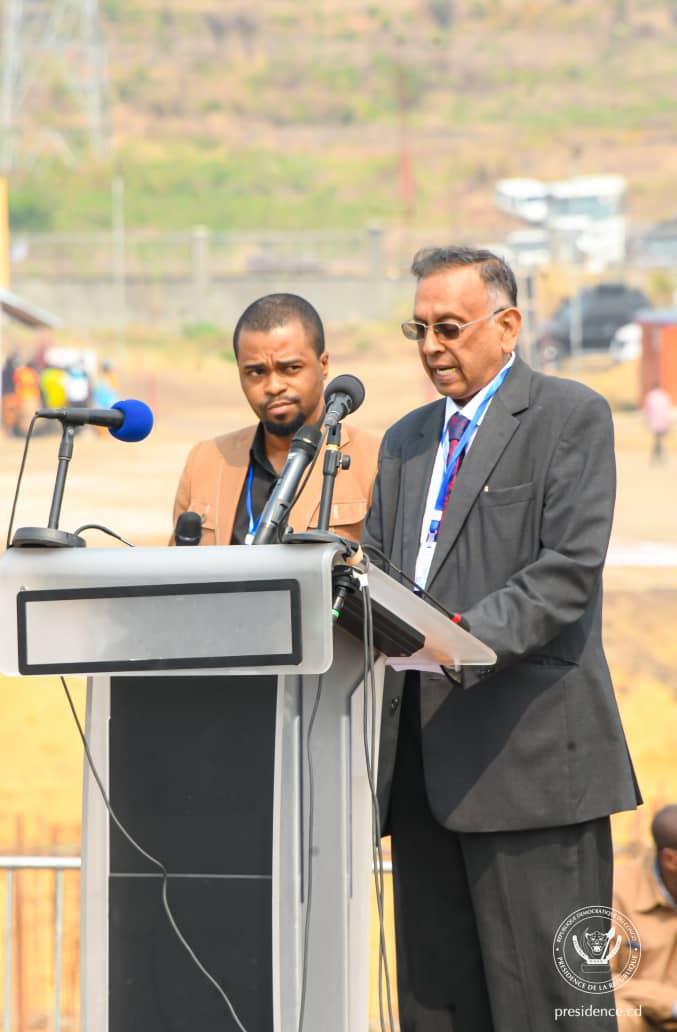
50,536
333,462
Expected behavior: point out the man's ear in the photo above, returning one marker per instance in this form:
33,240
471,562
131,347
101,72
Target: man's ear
324,362
510,322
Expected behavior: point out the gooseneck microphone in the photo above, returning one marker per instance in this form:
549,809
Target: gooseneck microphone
302,449
129,420
188,530
343,395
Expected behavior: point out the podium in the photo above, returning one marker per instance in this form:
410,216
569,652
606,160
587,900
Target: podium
226,716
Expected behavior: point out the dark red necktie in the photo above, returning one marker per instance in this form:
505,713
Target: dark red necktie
455,429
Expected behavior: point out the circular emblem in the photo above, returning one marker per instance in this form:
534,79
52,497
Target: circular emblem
588,940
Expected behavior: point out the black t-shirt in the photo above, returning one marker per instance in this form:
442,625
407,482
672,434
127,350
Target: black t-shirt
263,481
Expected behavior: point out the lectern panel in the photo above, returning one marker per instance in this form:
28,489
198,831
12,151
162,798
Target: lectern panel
191,773
159,627
154,985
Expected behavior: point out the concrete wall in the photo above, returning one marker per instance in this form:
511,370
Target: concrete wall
173,304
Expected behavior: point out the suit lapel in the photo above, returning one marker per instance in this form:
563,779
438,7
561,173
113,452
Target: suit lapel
417,464
498,426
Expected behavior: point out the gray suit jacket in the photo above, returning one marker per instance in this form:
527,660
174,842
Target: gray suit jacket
537,740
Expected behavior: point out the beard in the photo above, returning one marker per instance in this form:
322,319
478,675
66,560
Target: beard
284,429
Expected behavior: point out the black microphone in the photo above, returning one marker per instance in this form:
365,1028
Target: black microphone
129,420
84,416
188,529
343,395
302,449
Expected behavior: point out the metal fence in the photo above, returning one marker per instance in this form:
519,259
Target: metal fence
111,279
199,253
14,867
171,280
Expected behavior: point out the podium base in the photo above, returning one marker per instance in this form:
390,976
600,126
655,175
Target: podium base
46,537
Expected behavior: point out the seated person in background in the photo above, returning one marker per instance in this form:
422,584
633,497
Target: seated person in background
645,890
283,365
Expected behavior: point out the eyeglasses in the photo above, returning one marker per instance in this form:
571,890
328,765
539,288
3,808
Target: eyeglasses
446,331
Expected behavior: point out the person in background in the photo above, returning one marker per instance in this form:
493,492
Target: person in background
9,398
28,396
53,387
106,389
281,358
658,418
77,386
645,890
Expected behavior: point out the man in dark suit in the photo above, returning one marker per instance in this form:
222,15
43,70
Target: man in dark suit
497,785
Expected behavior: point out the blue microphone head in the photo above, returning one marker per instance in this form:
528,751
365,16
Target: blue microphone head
138,421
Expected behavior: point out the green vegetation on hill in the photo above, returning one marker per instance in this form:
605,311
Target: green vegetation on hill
282,115
189,184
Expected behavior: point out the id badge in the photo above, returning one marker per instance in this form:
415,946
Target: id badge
434,528
424,562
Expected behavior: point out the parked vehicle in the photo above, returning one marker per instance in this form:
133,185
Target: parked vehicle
626,342
593,314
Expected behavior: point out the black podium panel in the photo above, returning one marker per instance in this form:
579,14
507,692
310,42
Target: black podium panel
192,779
154,985
191,773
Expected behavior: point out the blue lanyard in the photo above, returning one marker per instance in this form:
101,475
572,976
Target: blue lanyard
253,523
460,448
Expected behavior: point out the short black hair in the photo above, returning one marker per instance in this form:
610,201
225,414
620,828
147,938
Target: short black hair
496,274
664,828
278,310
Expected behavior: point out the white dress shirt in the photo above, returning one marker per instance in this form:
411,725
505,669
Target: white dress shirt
426,549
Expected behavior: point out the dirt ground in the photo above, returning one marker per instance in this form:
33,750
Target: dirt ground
130,488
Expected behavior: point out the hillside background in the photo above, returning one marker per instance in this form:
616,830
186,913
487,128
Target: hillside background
287,115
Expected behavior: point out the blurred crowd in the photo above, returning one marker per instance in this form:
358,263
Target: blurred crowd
54,377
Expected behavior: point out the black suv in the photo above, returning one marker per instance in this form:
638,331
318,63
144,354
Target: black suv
602,310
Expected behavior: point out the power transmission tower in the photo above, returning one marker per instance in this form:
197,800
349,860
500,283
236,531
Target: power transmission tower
53,79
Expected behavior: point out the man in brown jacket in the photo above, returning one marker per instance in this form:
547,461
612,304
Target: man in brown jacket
645,890
282,362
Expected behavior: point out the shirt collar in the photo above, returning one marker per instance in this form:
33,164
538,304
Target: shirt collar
257,451
471,407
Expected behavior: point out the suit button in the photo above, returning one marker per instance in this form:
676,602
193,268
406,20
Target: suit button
394,703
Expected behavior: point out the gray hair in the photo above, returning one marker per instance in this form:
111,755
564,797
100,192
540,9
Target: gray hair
494,272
